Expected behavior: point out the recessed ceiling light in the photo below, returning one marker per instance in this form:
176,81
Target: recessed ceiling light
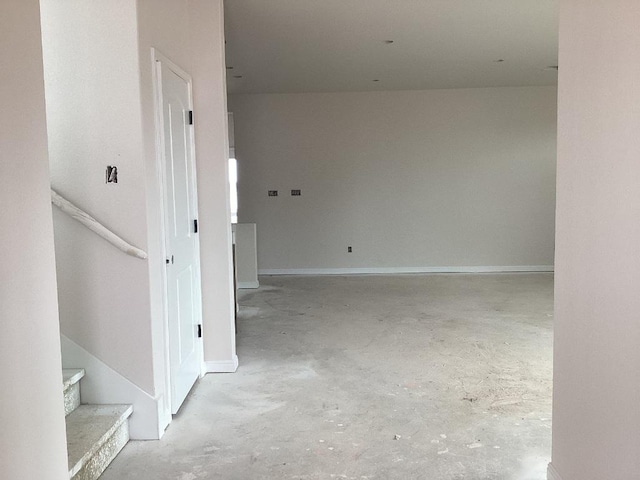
229,68
376,80
500,60
237,76
552,67
388,42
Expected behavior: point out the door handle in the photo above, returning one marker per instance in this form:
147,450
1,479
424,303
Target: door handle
167,261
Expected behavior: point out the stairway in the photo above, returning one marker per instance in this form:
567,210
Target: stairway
95,433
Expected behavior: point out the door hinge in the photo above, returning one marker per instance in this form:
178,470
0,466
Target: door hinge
190,117
195,226
199,331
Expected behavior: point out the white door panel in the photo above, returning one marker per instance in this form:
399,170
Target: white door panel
183,272
185,298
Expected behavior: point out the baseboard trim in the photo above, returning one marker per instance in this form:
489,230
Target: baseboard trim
552,473
402,270
255,284
223,366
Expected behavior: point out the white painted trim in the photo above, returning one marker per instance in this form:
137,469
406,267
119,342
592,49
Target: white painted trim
224,366
103,385
96,227
160,174
157,56
401,270
248,284
552,473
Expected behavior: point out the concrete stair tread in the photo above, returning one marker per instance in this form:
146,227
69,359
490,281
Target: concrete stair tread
89,427
71,388
71,376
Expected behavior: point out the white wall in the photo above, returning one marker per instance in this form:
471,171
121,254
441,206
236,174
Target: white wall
411,180
246,255
212,153
94,120
99,78
191,35
163,25
596,418
32,437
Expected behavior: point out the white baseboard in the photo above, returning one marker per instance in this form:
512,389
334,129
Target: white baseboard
103,385
401,270
552,473
223,366
255,284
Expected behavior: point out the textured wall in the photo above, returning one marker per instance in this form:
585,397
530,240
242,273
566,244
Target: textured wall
212,152
596,418
190,34
94,120
99,78
32,437
408,179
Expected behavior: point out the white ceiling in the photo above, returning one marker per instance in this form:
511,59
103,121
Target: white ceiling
339,45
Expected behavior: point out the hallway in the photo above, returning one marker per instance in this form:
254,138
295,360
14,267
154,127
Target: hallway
435,377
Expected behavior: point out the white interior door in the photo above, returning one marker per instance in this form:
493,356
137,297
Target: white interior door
181,240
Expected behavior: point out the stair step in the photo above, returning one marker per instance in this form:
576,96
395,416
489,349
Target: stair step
95,435
71,388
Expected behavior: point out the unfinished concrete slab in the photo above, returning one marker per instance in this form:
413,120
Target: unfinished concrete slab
437,377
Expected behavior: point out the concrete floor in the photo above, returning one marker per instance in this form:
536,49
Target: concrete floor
436,377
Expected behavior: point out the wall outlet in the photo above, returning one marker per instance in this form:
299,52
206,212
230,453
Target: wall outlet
273,193
296,193
349,249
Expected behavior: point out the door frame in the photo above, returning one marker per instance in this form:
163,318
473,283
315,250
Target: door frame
159,60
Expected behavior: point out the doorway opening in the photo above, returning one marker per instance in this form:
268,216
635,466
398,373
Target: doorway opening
233,188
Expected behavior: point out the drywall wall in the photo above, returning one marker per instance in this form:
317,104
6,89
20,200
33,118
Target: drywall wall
412,181
190,35
94,120
163,25
32,438
206,25
99,77
246,255
596,418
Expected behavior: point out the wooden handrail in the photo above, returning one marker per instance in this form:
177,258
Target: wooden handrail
92,224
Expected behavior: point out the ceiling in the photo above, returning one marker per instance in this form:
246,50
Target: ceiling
286,46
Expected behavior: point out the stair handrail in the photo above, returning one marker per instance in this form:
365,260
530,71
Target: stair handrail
92,224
